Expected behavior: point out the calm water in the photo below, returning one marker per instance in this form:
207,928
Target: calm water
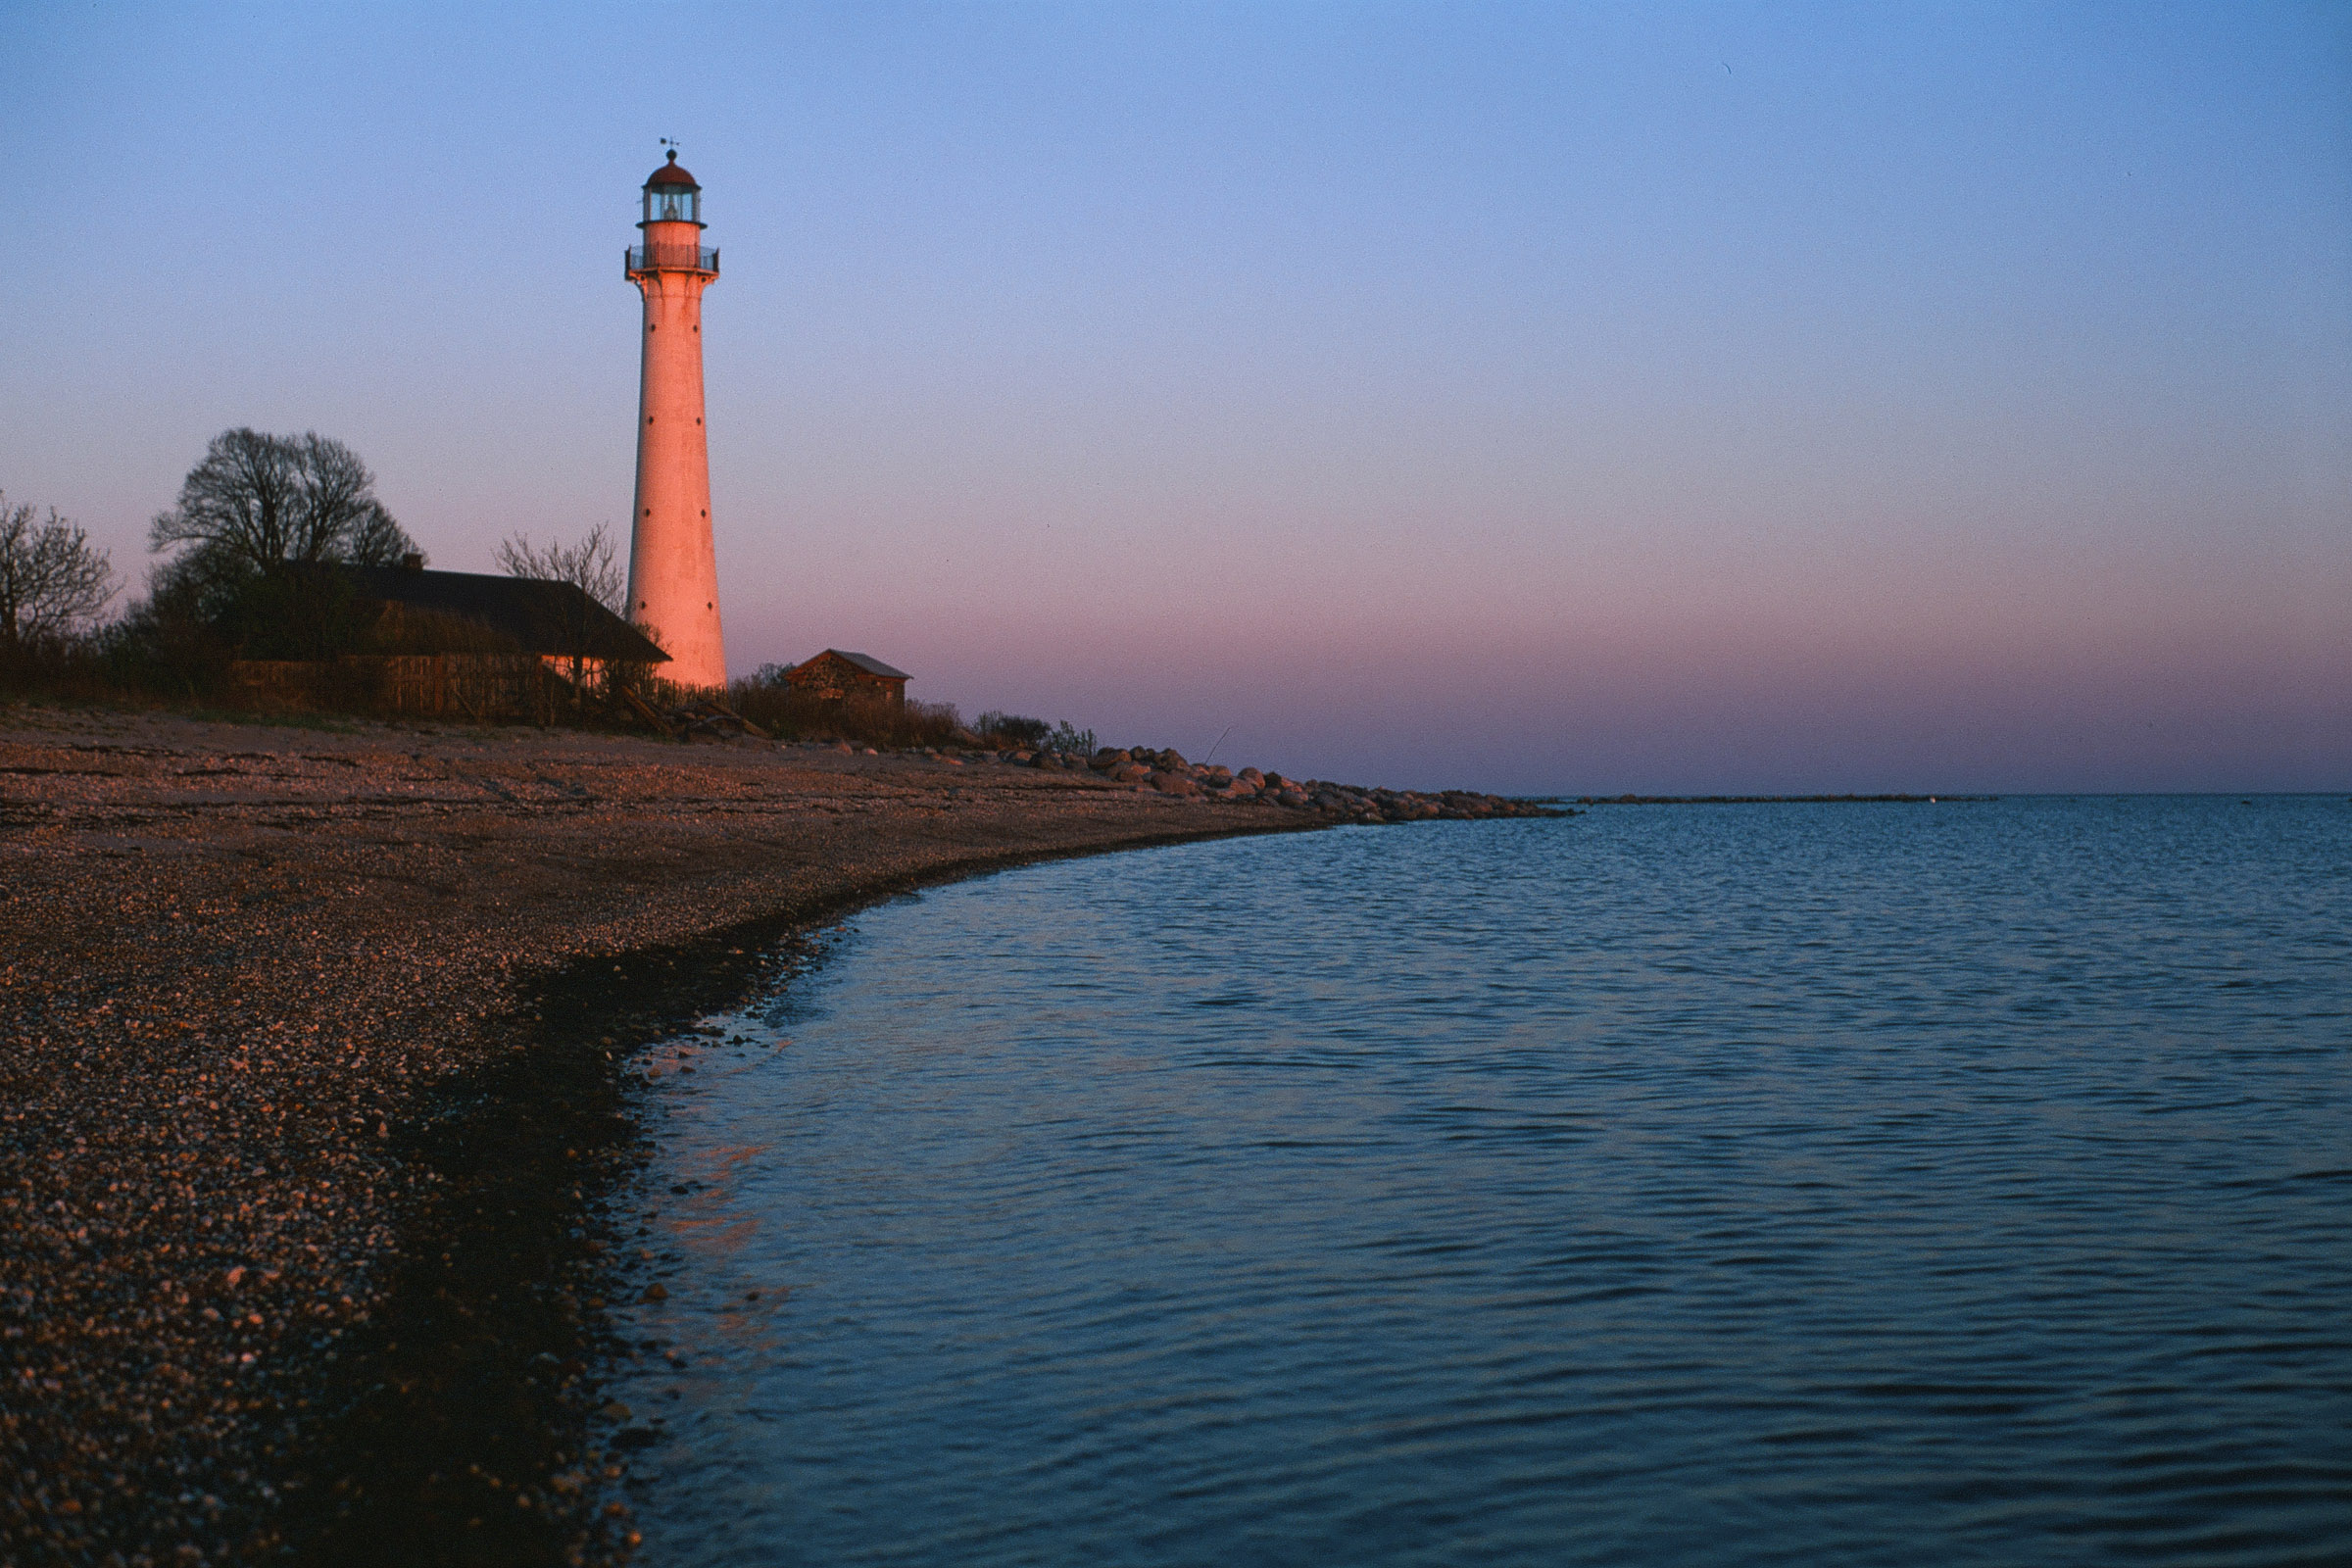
1839,1184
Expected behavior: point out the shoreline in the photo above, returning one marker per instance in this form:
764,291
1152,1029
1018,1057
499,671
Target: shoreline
454,1352
313,1041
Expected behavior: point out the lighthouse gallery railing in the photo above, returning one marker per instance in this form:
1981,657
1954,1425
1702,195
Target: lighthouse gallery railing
669,258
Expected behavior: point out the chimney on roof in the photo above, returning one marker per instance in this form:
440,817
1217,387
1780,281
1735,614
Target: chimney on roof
412,561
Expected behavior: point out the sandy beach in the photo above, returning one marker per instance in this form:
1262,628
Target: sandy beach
310,1039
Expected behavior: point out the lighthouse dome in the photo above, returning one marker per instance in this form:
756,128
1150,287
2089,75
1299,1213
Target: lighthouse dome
670,174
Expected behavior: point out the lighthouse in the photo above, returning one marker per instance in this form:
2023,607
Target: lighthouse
673,573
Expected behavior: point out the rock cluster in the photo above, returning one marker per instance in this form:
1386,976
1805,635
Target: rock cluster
1166,772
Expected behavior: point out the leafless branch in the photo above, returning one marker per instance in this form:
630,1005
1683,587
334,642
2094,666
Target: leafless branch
592,566
52,581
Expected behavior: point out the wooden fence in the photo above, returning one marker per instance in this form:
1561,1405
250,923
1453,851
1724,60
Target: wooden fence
479,686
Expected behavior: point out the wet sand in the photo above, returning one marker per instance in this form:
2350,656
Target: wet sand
309,1098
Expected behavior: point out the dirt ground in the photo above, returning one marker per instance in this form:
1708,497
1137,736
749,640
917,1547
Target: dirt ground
309,1041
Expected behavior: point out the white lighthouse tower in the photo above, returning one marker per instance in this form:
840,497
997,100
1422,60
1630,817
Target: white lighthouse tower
673,573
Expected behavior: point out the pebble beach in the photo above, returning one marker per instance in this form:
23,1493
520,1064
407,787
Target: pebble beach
309,1048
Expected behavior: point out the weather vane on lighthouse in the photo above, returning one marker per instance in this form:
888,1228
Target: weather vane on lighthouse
673,570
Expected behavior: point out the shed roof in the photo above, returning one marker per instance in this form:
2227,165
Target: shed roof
535,614
865,661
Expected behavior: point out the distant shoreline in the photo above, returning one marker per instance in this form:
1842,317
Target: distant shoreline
1754,799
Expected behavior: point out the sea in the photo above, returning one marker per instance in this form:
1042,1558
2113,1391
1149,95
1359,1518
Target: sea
1841,1183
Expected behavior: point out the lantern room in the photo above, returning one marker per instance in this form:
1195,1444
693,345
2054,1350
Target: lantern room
672,197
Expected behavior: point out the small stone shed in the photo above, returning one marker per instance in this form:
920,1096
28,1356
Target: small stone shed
835,675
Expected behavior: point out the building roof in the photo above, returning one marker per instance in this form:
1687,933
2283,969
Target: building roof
534,614
865,661
670,174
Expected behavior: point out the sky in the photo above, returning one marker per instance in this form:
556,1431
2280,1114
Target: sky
1548,398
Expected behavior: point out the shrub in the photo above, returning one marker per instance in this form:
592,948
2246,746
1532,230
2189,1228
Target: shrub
1011,729
875,722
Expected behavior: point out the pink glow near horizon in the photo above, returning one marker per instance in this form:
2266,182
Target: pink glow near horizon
1829,710
1560,398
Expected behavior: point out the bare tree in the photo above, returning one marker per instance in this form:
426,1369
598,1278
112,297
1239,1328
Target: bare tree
259,501
51,580
592,566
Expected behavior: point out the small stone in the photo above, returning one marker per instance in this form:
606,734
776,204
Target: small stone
655,1292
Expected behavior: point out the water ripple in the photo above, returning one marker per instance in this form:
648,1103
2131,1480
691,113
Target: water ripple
1837,1184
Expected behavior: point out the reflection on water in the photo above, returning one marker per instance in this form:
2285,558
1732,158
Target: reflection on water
1859,1184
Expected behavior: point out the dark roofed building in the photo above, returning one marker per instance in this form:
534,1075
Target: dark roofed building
438,642
835,675
474,612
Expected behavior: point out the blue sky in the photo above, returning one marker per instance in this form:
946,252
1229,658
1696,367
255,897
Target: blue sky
1605,397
